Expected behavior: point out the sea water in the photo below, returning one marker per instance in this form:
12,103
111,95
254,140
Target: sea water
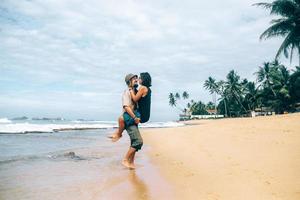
38,161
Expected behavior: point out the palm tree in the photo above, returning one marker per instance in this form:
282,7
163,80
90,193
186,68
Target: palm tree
222,92
198,108
251,96
294,86
288,26
185,95
172,100
188,105
211,85
210,105
265,76
233,87
281,87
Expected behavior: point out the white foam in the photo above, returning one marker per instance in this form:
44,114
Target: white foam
162,124
48,128
4,121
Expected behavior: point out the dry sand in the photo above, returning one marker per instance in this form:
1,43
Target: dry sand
243,158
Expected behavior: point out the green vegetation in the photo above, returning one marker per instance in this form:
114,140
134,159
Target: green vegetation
287,26
192,107
276,89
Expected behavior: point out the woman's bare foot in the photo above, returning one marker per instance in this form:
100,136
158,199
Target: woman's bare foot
115,137
127,164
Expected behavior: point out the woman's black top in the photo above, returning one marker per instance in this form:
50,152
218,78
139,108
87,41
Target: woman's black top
144,106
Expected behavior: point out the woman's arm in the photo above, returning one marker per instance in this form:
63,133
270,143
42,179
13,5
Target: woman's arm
136,97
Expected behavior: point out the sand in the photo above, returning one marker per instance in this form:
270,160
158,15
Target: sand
226,159
242,158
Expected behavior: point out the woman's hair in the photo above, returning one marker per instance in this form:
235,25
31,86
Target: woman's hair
146,79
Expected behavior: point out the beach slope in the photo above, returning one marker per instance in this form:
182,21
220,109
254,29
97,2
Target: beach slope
242,158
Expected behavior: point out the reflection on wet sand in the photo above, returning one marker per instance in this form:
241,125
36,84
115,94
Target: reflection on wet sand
129,185
143,183
140,189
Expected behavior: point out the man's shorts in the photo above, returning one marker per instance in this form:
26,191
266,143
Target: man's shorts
128,120
136,140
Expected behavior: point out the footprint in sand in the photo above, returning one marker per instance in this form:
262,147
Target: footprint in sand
235,164
267,182
213,196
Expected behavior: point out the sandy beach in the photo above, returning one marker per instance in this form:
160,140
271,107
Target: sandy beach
241,158
225,159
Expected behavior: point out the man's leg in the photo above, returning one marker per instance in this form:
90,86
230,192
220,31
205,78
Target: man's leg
131,158
128,160
136,143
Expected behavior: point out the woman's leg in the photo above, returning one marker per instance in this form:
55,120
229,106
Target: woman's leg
121,126
118,133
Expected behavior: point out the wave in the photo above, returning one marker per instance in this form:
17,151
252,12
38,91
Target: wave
93,121
50,128
161,124
59,156
4,121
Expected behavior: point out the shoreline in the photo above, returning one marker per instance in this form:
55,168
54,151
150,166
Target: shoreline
92,170
232,158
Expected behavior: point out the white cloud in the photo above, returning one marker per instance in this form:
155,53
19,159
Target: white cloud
83,49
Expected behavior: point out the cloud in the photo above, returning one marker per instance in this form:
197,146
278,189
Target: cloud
79,51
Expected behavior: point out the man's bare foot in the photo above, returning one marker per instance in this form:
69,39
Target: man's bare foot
132,166
127,164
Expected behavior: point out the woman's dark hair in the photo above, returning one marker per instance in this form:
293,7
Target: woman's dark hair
146,79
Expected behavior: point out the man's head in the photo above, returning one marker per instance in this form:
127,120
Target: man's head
131,79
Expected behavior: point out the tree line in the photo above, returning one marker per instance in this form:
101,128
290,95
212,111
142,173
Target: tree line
276,88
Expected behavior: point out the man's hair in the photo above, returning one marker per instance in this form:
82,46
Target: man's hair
146,79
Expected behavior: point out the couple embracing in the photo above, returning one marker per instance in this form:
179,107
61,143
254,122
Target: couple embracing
136,103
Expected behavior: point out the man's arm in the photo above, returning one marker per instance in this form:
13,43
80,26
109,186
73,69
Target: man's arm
126,101
130,112
136,97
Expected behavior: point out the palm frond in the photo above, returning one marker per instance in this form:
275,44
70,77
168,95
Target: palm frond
280,28
286,44
297,1
292,53
286,8
264,5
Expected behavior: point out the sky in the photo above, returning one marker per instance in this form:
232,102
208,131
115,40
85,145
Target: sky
68,58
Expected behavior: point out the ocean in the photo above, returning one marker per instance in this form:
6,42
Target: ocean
64,159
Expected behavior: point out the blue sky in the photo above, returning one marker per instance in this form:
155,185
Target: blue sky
69,57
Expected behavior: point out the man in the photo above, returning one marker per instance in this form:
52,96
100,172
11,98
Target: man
136,141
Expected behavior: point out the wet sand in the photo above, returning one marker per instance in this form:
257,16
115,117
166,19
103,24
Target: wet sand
242,158
143,183
89,173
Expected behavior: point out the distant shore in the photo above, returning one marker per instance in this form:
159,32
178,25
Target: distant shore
237,158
